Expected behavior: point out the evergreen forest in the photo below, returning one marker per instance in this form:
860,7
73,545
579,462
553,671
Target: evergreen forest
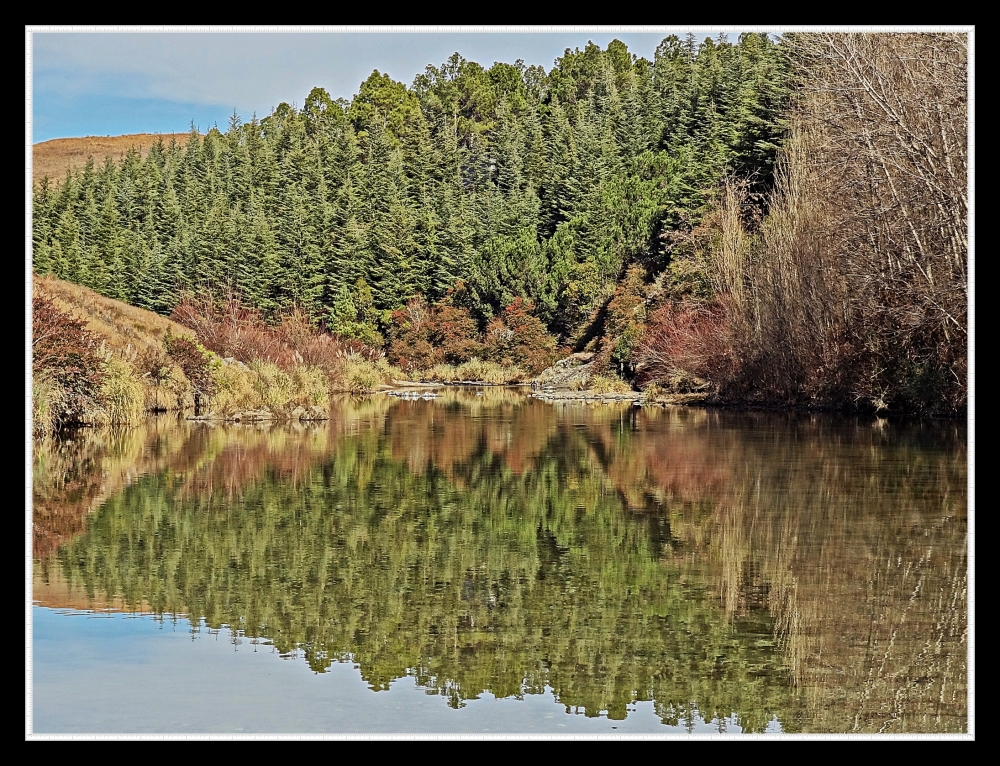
603,197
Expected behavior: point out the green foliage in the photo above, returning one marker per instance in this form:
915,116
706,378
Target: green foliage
625,324
354,315
517,182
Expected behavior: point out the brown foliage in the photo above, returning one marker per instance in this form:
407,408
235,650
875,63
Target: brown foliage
422,336
194,363
66,352
233,330
518,338
853,291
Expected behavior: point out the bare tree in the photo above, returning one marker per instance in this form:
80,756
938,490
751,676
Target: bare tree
855,286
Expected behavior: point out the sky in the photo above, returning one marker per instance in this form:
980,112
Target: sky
111,83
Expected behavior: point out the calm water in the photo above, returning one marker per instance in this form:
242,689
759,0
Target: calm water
489,562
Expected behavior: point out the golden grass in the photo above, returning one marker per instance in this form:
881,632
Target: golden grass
120,325
362,375
238,389
53,158
128,335
123,393
475,370
45,397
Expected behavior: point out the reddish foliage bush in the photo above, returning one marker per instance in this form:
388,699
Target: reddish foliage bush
65,351
517,337
231,329
410,344
194,363
684,340
422,336
456,333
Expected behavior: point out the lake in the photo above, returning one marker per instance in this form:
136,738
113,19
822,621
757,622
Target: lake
488,562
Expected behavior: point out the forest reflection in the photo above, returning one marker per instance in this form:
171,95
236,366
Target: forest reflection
758,565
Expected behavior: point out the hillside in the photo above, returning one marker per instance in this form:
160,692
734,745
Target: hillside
119,325
53,158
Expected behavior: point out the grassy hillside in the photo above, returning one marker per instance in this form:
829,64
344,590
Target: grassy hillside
122,327
53,158
97,360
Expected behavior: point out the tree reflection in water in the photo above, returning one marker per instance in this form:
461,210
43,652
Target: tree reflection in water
807,568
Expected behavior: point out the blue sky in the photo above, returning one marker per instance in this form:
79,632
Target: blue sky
110,83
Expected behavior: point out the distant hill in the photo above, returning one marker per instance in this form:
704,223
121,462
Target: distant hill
53,158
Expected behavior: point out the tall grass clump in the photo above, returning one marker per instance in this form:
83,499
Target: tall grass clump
46,405
310,387
236,390
122,393
360,373
474,371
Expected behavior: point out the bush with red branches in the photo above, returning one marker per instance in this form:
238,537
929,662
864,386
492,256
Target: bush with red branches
66,353
232,329
685,344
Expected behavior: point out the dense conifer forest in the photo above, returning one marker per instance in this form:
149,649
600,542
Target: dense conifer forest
612,199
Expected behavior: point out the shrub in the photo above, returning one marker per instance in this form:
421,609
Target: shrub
196,364
46,405
310,387
684,344
156,367
272,385
410,344
362,374
423,336
65,354
455,332
517,338
624,324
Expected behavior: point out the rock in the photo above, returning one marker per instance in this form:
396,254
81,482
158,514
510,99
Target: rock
256,416
317,413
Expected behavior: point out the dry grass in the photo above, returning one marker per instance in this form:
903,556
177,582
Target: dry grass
130,340
122,327
53,158
46,397
360,374
123,392
473,371
608,384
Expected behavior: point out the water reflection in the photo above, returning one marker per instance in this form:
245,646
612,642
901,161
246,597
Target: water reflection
747,566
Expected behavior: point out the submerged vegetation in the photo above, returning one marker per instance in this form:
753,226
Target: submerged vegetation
779,221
